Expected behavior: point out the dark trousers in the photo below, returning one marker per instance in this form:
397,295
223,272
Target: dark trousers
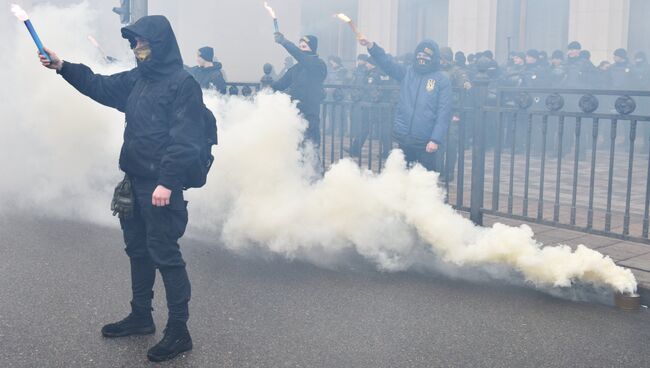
377,120
151,237
313,129
418,154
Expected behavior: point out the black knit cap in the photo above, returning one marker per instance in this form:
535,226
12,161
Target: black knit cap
557,54
533,53
206,53
312,41
620,53
575,45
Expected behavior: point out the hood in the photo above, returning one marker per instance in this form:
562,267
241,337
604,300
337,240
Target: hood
165,55
427,46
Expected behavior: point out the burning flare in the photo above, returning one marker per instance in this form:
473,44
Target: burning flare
350,23
272,13
22,15
270,10
19,12
344,17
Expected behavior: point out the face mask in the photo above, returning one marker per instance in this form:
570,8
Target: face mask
142,53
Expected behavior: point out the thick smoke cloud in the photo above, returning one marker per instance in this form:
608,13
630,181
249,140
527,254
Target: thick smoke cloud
264,195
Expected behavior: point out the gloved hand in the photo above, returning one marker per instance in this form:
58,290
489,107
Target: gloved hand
279,37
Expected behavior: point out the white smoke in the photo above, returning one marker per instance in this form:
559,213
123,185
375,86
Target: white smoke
263,195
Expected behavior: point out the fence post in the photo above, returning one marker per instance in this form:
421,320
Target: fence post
478,144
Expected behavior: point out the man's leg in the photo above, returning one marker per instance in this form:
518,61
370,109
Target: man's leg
165,225
143,276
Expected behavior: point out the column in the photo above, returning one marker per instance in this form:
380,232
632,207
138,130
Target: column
472,25
601,26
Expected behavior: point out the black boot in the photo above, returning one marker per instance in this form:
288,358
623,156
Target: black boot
139,322
177,340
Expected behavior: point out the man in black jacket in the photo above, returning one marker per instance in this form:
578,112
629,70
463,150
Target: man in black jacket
304,81
163,106
208,72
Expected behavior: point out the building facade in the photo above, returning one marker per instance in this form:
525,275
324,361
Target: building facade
601,26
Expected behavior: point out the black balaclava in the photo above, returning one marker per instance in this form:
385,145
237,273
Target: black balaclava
460,59
447,55
640,58
312,41
165,58
207,53
622,53
430,48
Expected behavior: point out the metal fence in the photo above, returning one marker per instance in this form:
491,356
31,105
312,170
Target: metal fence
576,159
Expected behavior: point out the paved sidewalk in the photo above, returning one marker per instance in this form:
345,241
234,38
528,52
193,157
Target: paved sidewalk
635,256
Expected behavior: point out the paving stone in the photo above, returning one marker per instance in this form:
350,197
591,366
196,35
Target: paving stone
624,250
641,262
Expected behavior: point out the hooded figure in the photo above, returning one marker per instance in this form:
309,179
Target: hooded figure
641,71
425,103
621,76
209,72
304,81
164,112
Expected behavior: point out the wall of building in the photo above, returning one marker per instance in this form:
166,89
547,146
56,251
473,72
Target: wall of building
601,26
420,19
472,25
378,20
639,29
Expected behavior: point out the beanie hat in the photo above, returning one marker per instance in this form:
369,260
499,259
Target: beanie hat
533,53
620,53
557,54
446,54
206,53
575,45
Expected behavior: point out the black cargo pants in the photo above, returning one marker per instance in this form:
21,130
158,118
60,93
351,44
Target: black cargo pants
151,237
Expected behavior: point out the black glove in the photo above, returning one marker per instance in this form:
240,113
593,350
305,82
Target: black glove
279,37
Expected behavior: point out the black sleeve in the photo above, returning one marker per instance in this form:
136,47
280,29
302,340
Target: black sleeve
112,90
390,67
283,83
310,62
186,132
219,82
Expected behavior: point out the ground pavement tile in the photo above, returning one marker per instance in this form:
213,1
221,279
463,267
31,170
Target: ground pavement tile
625,250
590,241
641,262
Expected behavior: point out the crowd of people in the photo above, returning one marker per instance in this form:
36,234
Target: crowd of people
533,68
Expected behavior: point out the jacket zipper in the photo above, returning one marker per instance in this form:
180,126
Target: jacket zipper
417,95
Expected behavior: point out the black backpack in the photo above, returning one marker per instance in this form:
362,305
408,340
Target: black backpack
196,174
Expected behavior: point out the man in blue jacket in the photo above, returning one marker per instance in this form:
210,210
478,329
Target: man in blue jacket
425,103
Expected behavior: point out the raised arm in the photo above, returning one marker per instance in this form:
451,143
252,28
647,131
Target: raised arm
390,67
112,90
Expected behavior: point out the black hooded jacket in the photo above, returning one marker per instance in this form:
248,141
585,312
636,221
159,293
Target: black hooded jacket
163,106
304,81
210,77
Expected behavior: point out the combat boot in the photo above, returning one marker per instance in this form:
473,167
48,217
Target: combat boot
177,340
138,322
